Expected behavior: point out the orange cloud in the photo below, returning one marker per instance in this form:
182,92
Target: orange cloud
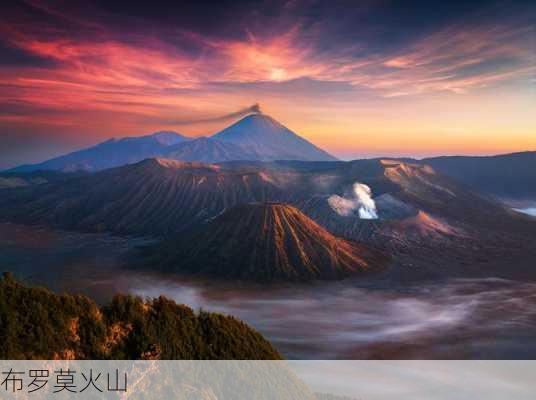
110,84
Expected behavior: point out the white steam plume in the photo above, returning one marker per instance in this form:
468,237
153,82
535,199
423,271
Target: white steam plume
367,206
360,203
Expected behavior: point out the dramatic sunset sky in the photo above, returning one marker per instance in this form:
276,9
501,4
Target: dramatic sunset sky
358,78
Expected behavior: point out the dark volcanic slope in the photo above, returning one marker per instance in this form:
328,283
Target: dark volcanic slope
424,218
10,180
400,191
265,242
154,196
510,176
431,225
163,196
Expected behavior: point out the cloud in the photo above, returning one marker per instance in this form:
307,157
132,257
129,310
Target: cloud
74,65
436,62
460,58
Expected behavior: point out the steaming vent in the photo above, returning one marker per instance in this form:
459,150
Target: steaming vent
358,203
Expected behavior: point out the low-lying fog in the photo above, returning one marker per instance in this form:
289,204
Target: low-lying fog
484,318
455,319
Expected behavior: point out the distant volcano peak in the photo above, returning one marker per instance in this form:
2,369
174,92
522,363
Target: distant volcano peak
259,117
259,121
256,137
271,140
168,138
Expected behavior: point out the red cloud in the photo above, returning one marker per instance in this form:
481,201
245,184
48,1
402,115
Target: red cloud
147,76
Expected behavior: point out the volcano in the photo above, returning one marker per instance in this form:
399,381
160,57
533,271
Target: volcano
265,242
256,137
161,196
421,217
208,150
263,135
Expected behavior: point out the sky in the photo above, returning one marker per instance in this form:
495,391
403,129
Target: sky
357,78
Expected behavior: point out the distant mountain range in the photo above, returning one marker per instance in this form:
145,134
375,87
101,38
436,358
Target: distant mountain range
507,176
111,153
255,137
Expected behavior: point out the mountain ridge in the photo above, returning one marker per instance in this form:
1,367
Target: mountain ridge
417,215
507,176
266,139
109,154
126,328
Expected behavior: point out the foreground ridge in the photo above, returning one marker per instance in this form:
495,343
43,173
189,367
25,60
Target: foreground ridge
74,327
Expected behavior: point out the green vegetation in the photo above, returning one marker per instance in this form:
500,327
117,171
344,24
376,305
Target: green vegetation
38,324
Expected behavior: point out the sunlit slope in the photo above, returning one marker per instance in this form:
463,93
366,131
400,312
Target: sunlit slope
152,197
38,324
265,242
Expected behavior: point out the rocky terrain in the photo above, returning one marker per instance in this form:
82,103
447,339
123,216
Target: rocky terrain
410,211
264,242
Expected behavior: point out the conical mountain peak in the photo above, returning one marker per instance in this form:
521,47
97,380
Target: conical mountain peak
256,137
266,242
271,140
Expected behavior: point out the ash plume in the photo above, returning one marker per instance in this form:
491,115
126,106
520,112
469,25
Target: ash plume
253,109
